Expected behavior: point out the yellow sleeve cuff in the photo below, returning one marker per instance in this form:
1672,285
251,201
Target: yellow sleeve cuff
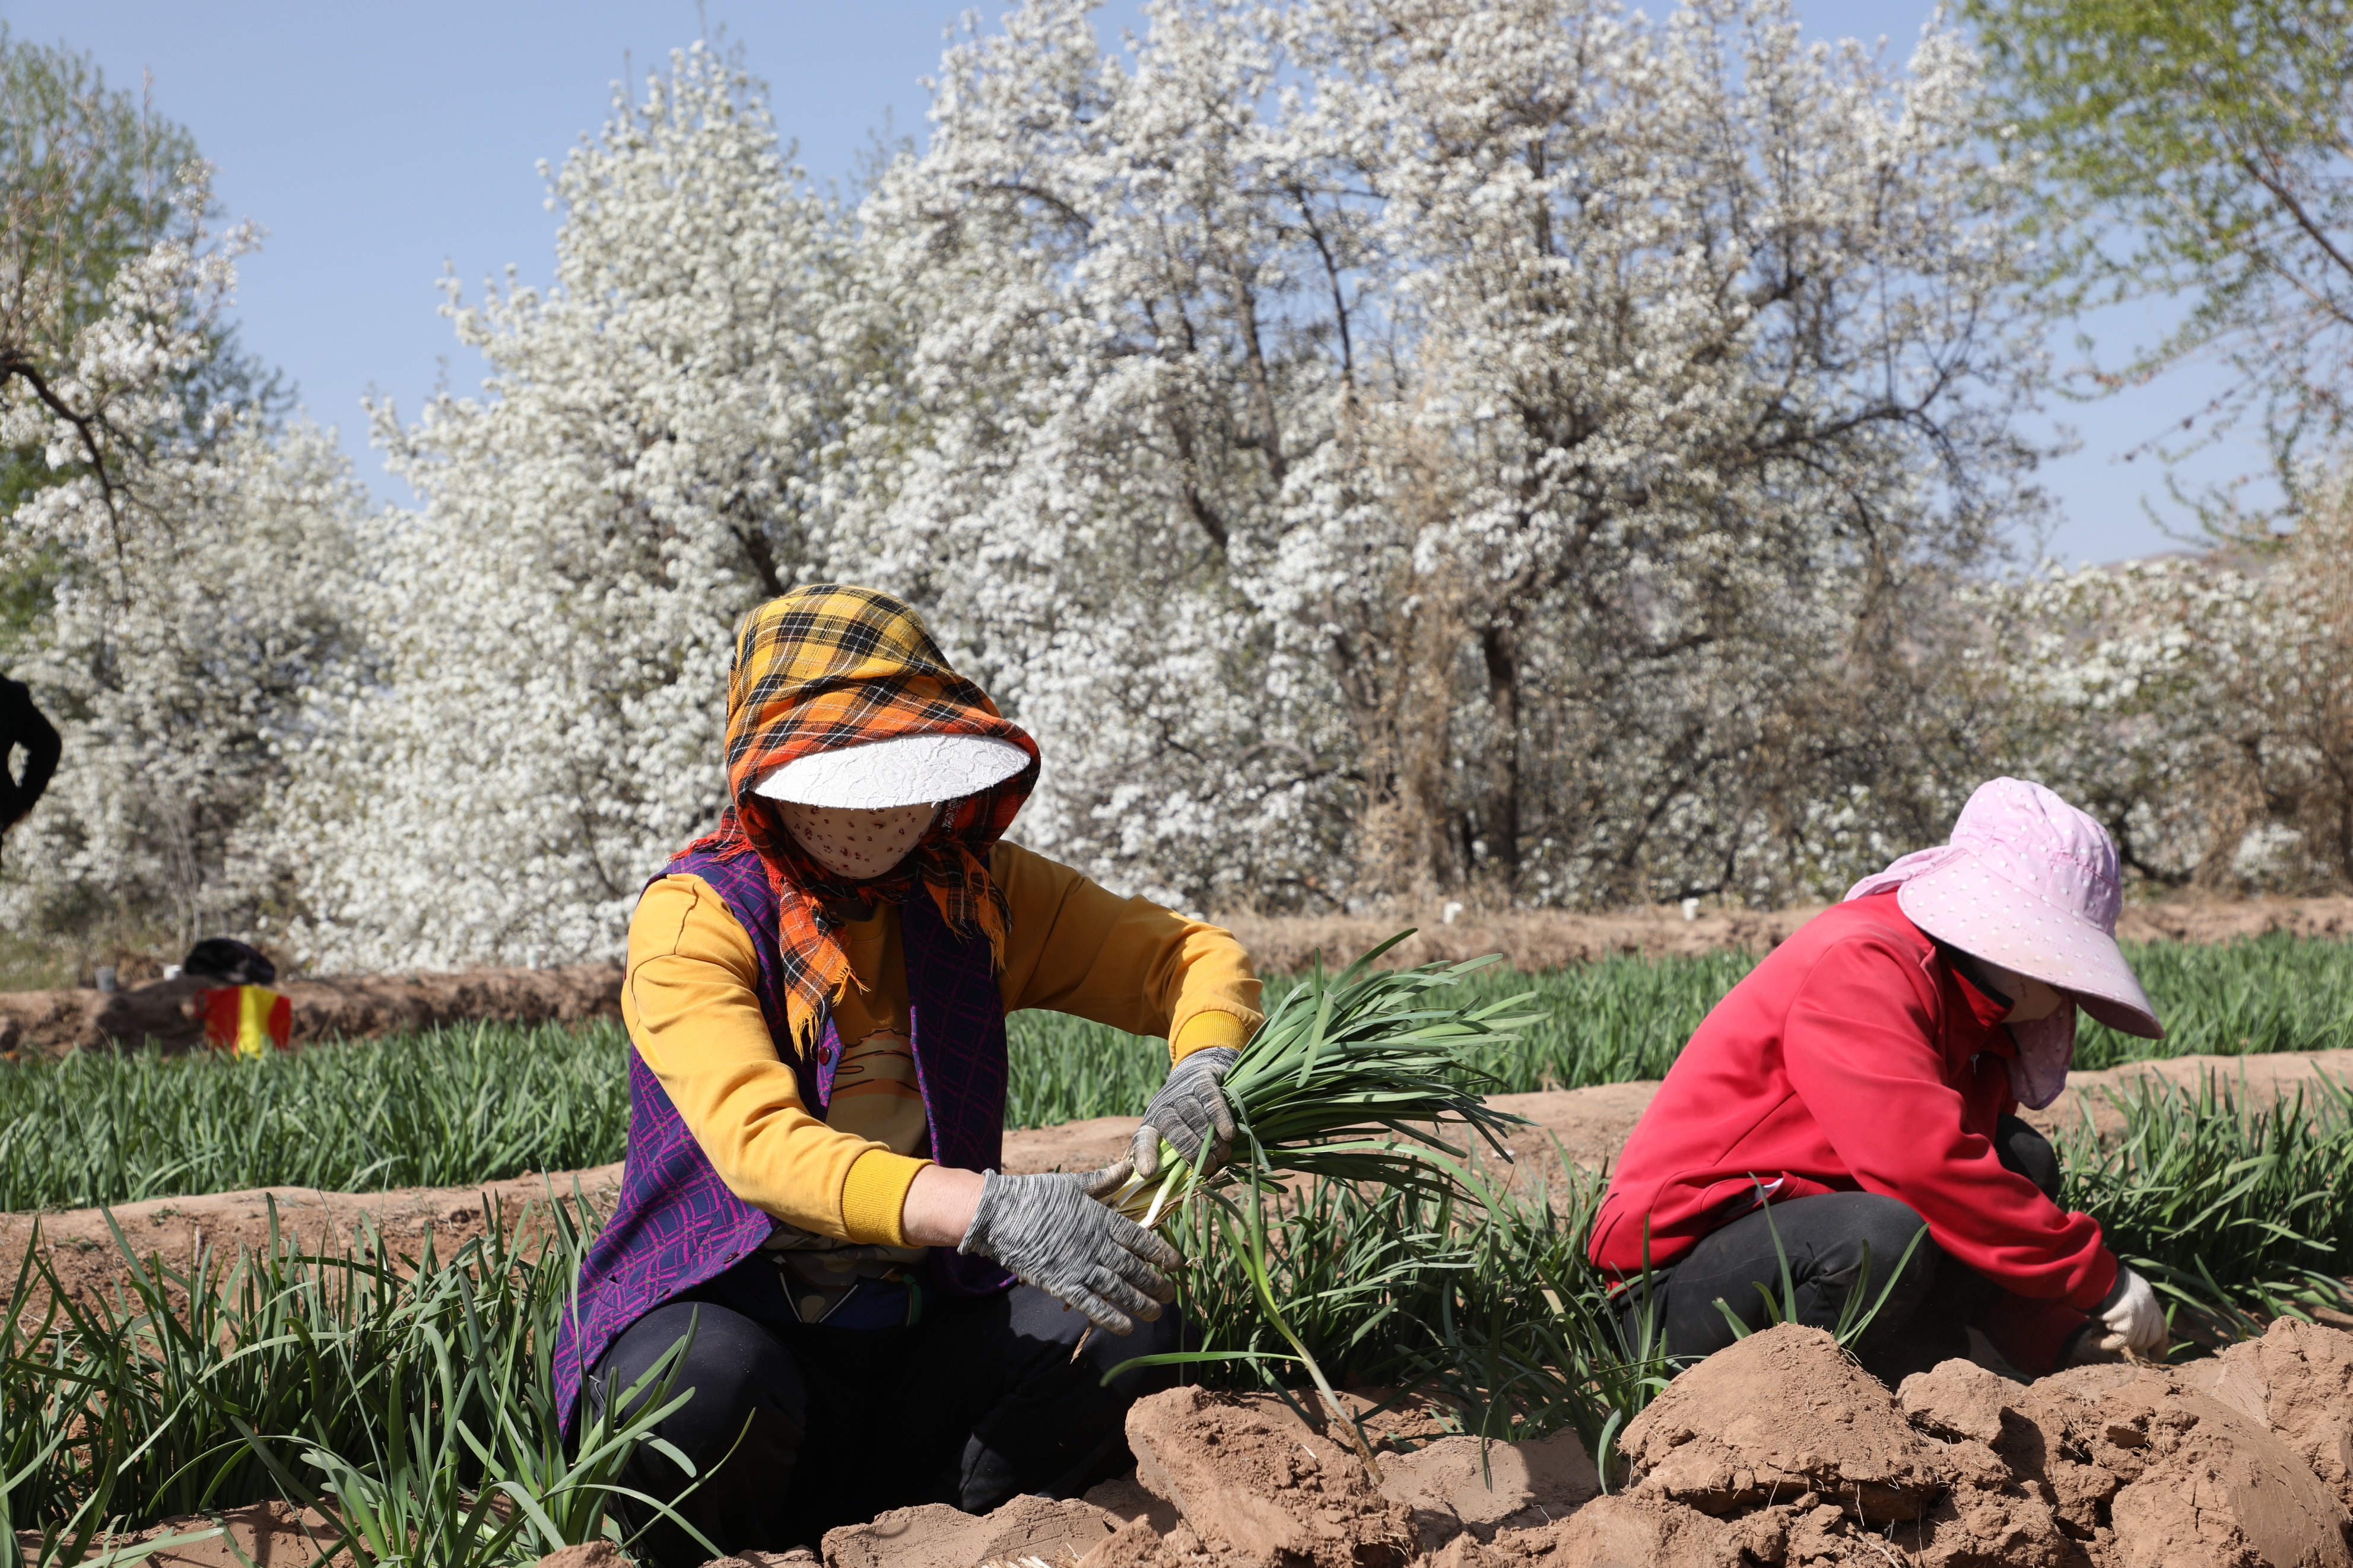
1207,1027
874,1197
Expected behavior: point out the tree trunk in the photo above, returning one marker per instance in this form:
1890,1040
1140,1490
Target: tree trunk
1499,646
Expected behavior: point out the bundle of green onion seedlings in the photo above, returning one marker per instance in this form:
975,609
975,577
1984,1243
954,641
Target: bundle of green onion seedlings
1358,1077
1354,1077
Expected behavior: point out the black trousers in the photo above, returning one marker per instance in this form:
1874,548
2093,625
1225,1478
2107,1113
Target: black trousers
1927,1312
809,1428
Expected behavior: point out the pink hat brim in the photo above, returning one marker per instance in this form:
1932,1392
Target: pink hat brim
1968,903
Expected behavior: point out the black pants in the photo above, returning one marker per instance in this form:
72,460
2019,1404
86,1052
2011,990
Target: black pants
1927,1312
810,1428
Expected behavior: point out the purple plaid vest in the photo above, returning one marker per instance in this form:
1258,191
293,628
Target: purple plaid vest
679,1225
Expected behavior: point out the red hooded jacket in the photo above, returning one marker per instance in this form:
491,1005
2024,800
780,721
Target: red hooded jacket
1854,1058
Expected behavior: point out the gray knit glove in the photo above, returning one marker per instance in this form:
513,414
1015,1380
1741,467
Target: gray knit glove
1189,1106
1053,1234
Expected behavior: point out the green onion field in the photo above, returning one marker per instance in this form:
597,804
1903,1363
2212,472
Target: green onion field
482,1103
402,1391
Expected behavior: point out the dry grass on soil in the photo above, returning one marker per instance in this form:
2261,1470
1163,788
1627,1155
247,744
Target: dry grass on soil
360,1007
1551,939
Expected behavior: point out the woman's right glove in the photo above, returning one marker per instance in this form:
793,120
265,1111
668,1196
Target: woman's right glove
1191,1112
1050,1231
2131,1317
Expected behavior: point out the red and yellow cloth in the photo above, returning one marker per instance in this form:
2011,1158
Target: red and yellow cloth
249,1020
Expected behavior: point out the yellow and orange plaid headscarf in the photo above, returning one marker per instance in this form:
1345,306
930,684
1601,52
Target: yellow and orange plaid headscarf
831,666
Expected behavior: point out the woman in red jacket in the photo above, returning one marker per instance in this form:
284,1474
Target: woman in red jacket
1863,1082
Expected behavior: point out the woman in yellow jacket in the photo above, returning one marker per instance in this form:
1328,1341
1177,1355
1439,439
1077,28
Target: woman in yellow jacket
815,998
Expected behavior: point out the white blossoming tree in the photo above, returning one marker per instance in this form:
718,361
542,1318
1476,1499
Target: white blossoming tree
1380,444
650,459
2200,706
193,578
1374,445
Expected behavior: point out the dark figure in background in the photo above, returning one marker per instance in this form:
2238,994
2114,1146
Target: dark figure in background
224,960
22,724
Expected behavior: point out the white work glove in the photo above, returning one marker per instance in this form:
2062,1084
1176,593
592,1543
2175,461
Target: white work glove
1051,1233
1190,1107
2131,1316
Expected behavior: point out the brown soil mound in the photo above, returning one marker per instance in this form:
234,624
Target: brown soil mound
1782,1414
1780,1451
90,1264
1550,938
2200,1482
2297,1381
1590,1125
2105,1467
1530,939
937,1536
348,1006
1457,1485
1251,1484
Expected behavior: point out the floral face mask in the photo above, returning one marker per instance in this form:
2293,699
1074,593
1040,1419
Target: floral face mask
859,845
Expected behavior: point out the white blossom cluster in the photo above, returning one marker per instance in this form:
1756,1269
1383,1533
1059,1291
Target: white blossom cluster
647,461
2201,706
199,587
1381,445
1377,445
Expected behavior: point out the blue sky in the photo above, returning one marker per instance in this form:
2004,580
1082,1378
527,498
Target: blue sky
376,143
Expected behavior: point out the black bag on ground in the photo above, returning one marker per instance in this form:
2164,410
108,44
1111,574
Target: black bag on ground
228,961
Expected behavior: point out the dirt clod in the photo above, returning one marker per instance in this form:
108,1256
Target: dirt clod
1136,1544
2024,1432
1257,1485
2119,1467
2220,1488
937,1536
1124,1499
2297,1381
1636,1532
2007,1528
1775,1415
588,1555
1457,1484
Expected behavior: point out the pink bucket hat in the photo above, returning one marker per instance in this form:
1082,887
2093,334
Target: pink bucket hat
2029,883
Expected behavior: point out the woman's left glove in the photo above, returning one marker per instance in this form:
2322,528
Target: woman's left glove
1190,1112
2131,1316
1054,1231
2127,1319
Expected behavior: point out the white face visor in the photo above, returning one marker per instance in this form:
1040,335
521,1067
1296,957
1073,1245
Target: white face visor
906,771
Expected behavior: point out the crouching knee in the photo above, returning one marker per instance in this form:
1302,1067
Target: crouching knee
739,1384
1892,1263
